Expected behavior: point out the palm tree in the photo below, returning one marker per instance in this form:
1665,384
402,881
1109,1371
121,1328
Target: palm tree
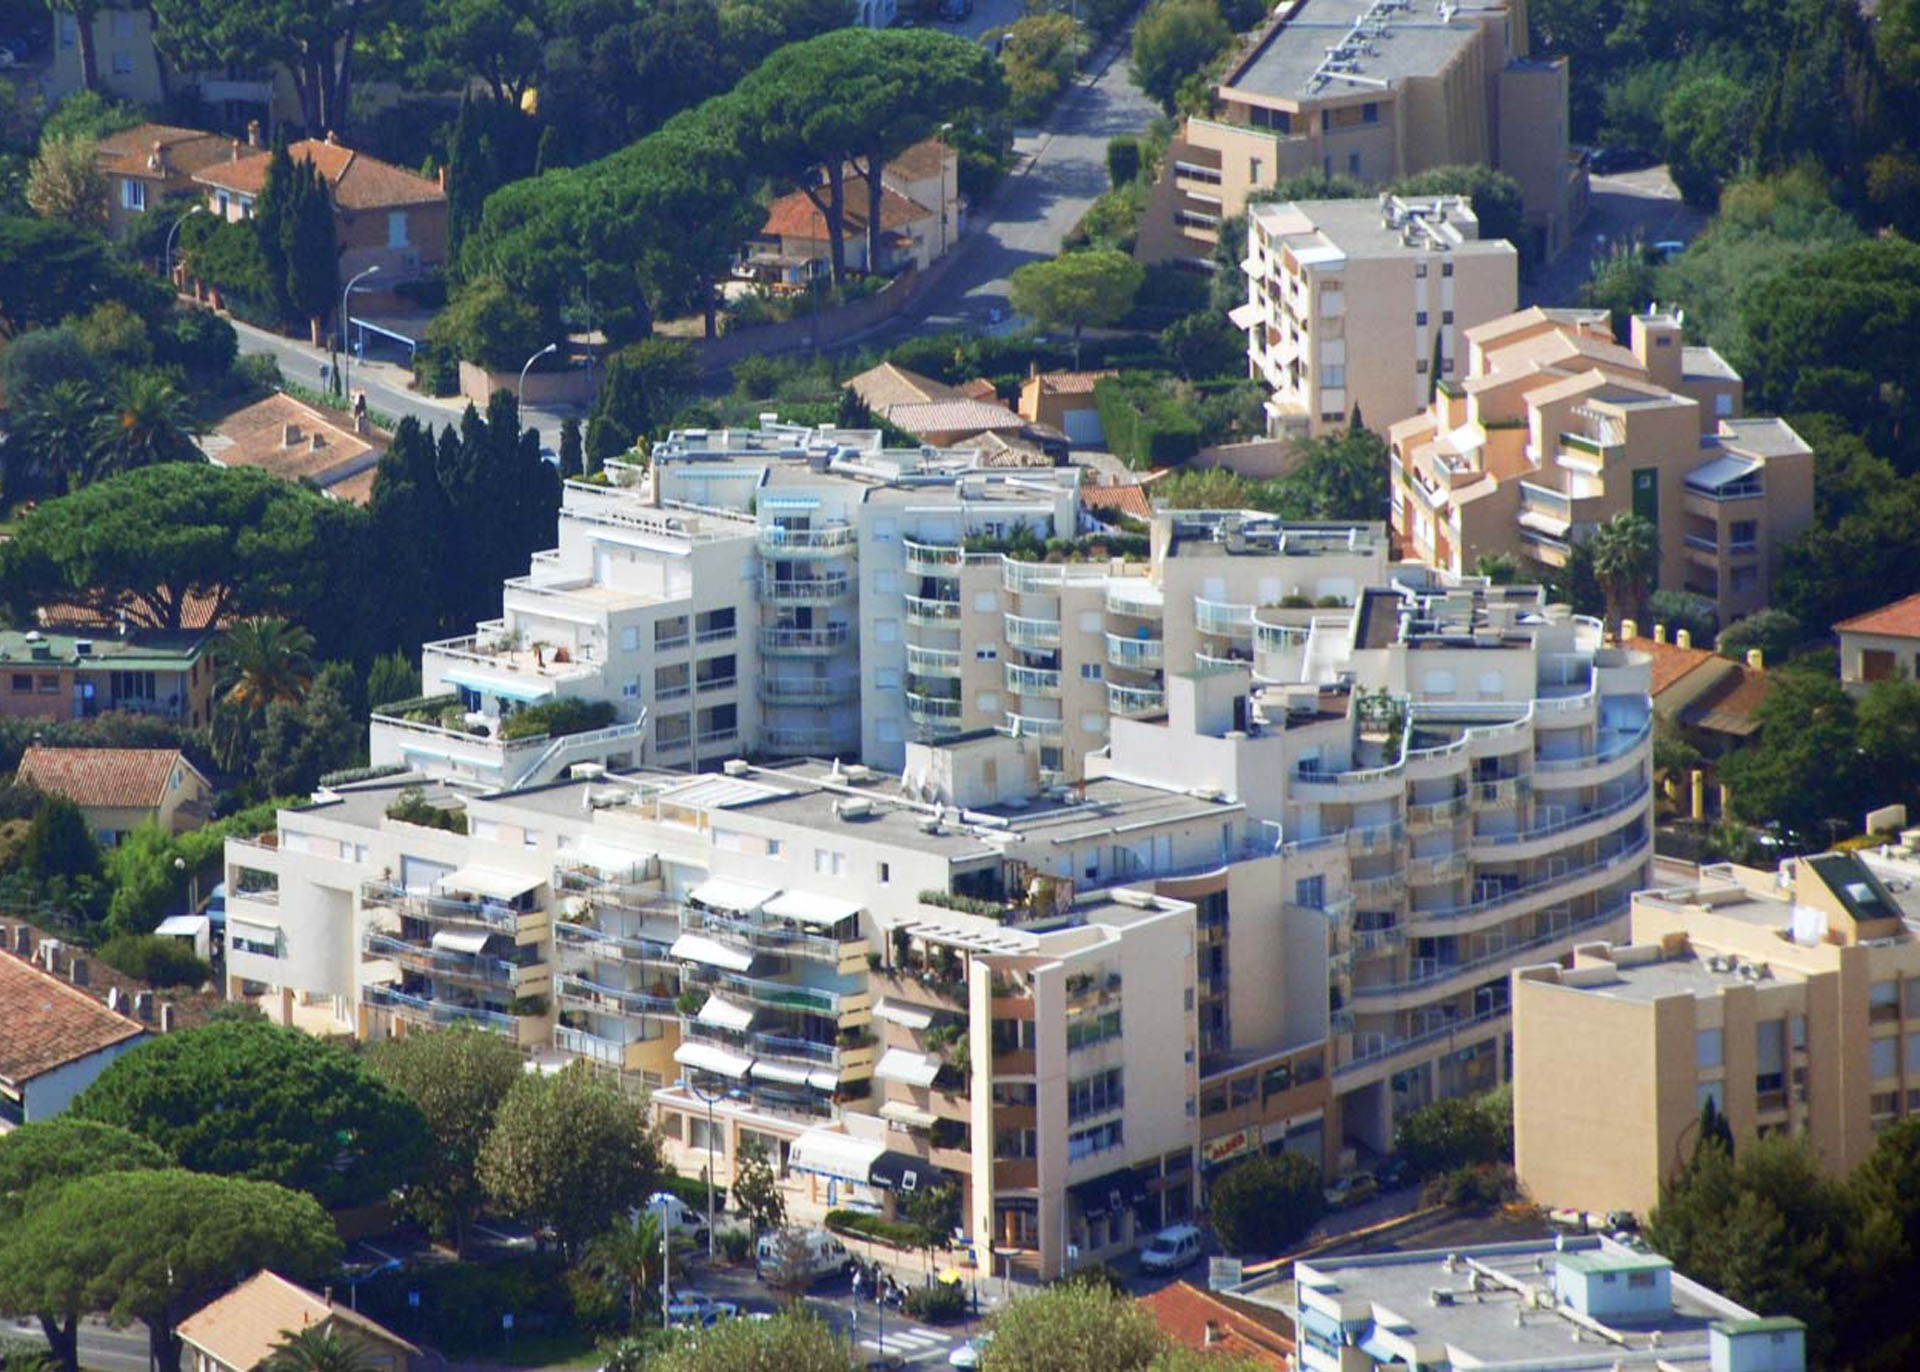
316,1348
1626,558
628,1256
148,422
54,437
264,661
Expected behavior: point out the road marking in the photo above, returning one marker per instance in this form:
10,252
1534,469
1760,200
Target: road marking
906,1341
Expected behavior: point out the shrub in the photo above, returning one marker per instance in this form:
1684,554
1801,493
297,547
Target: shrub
938,1303
158,961
1143,423
693,1191
1265,1203
556,718
1452,1134
460,1304
346,776
1477,1187
1123,160
734,1244
899,1233
413,807
488,324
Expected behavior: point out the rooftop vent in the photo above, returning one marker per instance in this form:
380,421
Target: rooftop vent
735,767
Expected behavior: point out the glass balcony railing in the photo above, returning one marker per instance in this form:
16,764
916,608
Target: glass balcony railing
830,541
933,662
933,559
1034,726
1033,681
1023,632
922,610
1220,617
783,641
1137,654
932,709
804,590
1134,700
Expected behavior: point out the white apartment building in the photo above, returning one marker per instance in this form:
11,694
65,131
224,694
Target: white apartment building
1357,302
787,592
1461,778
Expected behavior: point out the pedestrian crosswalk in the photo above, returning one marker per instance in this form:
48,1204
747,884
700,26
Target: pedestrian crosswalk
911,1343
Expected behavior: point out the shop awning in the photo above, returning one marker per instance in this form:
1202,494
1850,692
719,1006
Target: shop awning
458,941
904,1172
718,893
779,1071
906,1016
488,881
709,1057
900,1064
1105,1194
828,1154
812,909
699,948
906,1112
724,1014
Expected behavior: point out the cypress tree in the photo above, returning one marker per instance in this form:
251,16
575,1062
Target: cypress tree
571,450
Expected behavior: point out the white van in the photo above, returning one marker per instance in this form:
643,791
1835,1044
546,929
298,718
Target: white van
676,1216
1171,1249
825,1254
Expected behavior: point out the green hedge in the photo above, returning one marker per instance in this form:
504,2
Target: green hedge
694,1192
1143,423
558,717
938,1303
899,1233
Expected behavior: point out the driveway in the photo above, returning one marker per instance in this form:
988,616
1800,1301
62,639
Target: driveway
1641,205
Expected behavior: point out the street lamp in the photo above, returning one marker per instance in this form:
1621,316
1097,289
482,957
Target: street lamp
193,897
520,391
693,1085
945,148
346,344
173,232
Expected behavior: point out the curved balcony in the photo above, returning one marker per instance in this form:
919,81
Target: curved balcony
1430,977
1349,787
1546,889
1279,638
1434,813
1136,598
1033,726
1208,662
1023,632
781,641
1033,681
1374,838
1134,700
1502,794
778,690
941,613
1136,654
1046,578
1373,893
1432,871
933,662
805,590
1560,833
933,559
923,708
789,544
1613,758
1222,618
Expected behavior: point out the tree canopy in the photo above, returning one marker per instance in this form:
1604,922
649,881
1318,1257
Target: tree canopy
1173,40
249,1099
1078,289
1267,1202
1084,1326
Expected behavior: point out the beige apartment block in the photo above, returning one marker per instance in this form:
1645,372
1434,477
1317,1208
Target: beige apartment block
1789,999
1556,427
1353,304
1373,90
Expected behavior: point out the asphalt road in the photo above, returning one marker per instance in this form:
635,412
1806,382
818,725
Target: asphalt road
102,1347
1642,205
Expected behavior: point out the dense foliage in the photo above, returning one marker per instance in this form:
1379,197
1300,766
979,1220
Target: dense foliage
1264,1204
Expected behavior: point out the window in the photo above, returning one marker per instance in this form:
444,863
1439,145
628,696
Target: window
883,873
123,64
1446,269
986,652
1884,1057
886,678
1333,377
133,194
1099,1094
1722,404
773,847
1253,170
1708,1048
1310,892
1420,271
22,683
1016,1143
1446,316
1370,112
1710,1091
1088,1030
630,640
1090,671
1420,318
828,862
886,631
1086,1142
1883,1001
1353,164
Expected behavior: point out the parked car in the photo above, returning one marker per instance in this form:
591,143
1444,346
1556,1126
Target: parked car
695,1309
1171,1249
1351,1190
824,1255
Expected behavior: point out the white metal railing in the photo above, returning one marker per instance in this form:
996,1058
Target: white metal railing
939,662
781,638
1625,857
933,559
1222,617
922,610
1139,654
1429,972
1033,726
1032,681
1620,747
834,538
1633,799
808,588
1045,578
1382,1046
1024,632
1134,700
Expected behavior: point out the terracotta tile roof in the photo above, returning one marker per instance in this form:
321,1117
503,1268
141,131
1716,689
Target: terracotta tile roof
356,489
978,389
951,417
190,1008
887,384
258,436
1071,383
1732,708
182,151
104,778
50,1023
1670,661
240,1329
1000,451
1127,498
196,613
1209,1322
921,162
358,182
795,216
1901,619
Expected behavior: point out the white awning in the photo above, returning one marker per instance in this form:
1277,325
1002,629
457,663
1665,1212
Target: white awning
266,924
905,1112
779,1071
915,1069
604,858
737,896
834,1155
1244,316
724,1014
822,1079
487,881
698,948
906,1016
710,1057
184,926
812,909
454,941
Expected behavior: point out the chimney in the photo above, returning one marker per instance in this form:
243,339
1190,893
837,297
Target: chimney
78,971
1660,634
23,940
113,1000
331,140
1683,639
253,133
317,442
166,1017
157,156
236,150
1756,660
143,1006
1214,1333
290,436
441,176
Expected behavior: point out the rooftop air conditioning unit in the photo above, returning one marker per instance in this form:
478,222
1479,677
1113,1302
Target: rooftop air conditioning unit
854,809
1439,1295
857,774
1139,900
736,767
587,771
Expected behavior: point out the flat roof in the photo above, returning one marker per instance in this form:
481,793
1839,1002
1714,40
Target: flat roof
148,649
1337,230
1689,974
1417,45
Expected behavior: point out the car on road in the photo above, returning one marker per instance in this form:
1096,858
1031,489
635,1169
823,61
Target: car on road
1171,1249
967,1356
695,1309
1350,1190
819,1253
